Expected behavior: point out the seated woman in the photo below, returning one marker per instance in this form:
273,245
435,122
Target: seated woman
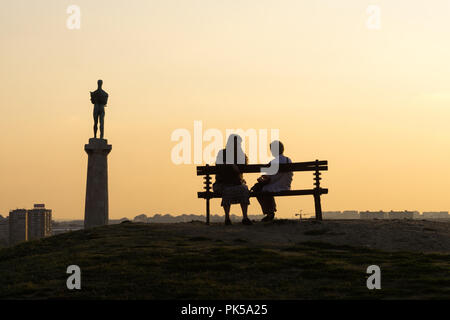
229,181
273,183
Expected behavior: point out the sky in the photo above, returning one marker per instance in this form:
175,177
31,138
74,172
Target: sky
373,102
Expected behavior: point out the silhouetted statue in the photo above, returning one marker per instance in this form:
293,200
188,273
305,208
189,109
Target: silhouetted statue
99,98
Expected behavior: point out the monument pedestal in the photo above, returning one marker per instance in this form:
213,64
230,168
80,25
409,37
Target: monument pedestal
96,206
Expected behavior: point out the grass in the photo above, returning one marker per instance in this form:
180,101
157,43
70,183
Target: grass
136,261
317,232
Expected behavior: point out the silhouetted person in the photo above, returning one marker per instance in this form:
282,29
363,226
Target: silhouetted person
99,98
229,181
273,183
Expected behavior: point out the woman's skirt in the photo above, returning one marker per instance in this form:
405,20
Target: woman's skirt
233,194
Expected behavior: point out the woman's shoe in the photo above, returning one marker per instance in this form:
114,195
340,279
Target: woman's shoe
228,222
268,217
247,221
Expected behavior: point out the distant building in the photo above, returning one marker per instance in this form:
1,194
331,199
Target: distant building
30,224
372,215
18,226
332,215
401,214
436,215
4,231
350,214
39,222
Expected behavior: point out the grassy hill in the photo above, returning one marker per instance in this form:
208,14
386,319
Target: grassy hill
144,261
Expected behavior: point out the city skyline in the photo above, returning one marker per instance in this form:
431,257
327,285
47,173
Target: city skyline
236,211
220,214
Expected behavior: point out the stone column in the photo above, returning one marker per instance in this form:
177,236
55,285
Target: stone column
96,206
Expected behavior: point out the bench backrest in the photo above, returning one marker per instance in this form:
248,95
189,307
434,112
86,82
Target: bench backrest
255,168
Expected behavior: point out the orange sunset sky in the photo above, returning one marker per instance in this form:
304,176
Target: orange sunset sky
374,103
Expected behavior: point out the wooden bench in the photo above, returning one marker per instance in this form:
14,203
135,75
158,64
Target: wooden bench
315,166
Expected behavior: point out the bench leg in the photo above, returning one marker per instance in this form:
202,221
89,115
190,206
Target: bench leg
207,211
318,207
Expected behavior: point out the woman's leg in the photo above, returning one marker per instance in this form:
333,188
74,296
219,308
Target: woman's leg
268,206
262,202
267,203
226,208
245,220
271,204
244,207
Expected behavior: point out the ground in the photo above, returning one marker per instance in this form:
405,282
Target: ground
281,260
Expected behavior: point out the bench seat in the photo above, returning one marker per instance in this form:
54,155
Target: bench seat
212,195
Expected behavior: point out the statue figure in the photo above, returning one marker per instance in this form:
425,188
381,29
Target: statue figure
99,99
